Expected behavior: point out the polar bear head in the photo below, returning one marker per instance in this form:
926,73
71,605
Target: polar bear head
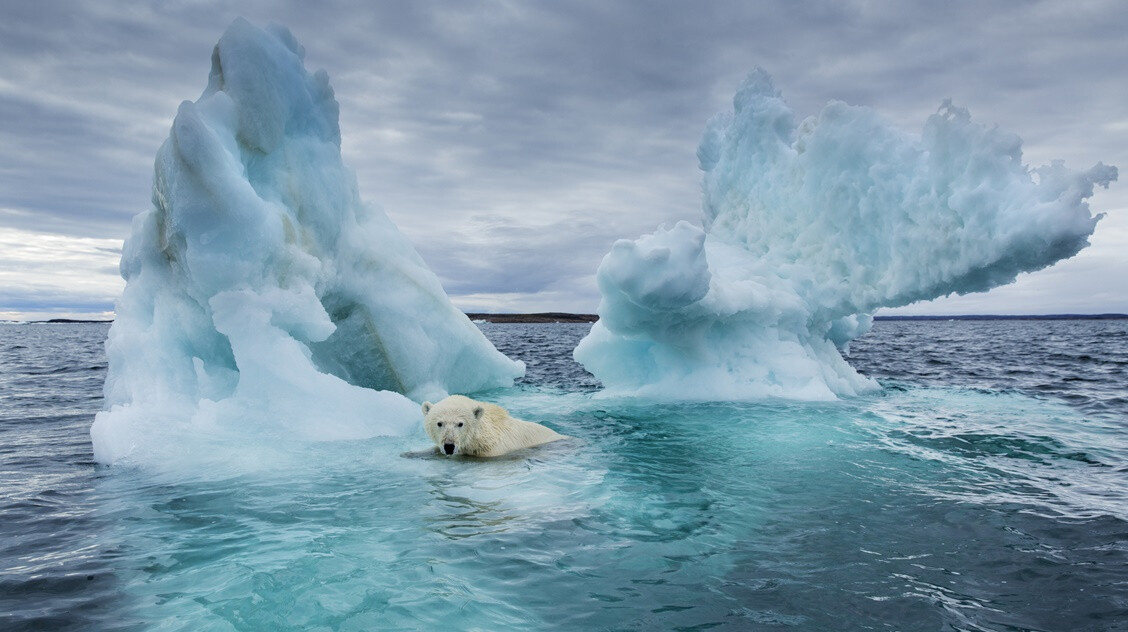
453,424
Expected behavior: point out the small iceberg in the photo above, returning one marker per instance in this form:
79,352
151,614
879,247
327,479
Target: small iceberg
809,227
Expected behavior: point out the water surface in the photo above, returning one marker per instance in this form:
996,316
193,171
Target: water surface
984,489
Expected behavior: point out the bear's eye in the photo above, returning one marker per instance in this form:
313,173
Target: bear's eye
460,424
440,424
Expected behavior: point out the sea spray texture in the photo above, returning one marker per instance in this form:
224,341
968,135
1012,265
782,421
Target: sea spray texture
263,297
809,228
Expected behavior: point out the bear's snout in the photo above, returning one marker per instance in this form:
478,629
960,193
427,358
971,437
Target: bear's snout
448,448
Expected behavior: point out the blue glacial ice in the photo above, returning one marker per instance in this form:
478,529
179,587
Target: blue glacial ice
809,228
263,297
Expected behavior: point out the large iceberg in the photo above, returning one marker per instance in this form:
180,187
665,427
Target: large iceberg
263,298
809,228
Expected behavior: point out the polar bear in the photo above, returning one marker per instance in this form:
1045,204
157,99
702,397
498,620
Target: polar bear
460,425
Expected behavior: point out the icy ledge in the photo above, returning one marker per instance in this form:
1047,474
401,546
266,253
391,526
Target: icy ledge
263,298
809,228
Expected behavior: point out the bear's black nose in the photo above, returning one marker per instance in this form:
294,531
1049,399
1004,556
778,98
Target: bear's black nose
448,448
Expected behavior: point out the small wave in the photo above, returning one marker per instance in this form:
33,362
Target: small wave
58,370
1008,448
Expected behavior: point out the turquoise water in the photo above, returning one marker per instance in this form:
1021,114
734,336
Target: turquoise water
985,489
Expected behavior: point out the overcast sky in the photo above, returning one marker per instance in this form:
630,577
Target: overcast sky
513,142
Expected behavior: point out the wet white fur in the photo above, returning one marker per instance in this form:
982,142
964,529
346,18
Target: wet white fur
487,429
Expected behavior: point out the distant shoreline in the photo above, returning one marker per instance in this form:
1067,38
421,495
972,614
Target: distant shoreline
58,321
565,317
543,317
1011,317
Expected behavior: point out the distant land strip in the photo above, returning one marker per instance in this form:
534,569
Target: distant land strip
1010,317
543,317
565,317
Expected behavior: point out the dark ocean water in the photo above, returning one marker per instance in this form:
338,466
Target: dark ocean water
985,489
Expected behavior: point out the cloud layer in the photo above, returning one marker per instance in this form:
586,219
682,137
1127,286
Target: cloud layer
514,142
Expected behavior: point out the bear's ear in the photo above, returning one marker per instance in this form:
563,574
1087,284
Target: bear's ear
478,412
426,407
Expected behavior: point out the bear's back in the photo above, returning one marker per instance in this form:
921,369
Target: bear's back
507,433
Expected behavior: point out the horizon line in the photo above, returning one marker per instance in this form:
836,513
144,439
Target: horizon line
550,317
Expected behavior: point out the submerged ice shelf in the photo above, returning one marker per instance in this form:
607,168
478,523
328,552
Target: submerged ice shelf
809,228
263,297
